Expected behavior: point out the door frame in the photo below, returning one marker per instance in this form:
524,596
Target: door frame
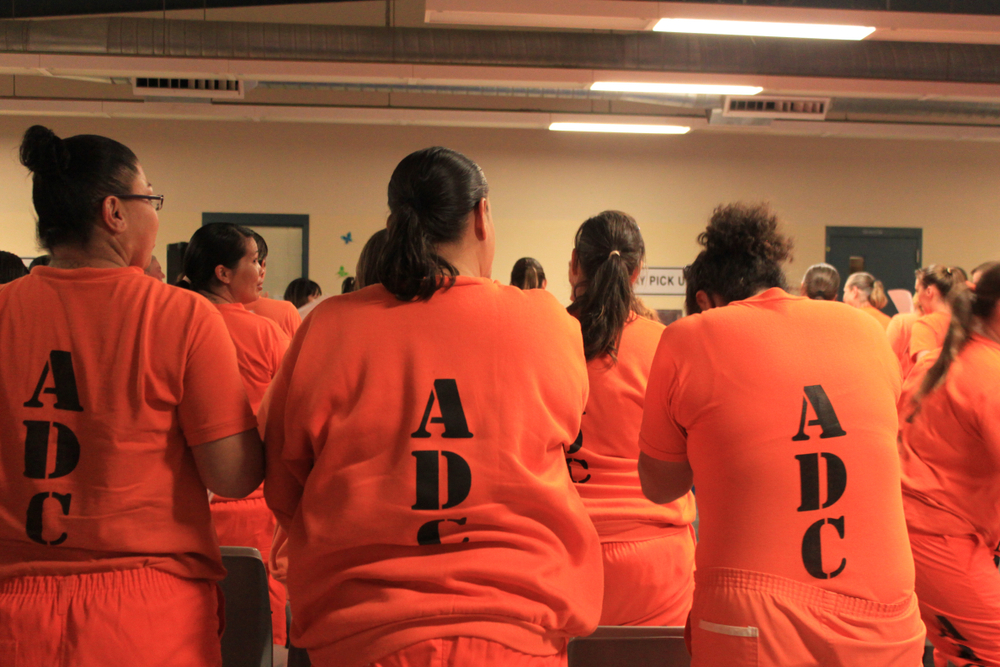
268,220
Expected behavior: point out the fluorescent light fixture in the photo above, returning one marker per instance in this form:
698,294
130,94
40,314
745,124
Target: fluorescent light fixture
764,29
624,128
677,88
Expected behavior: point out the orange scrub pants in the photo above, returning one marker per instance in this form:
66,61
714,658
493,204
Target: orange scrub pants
649,582
249,523
110,619
463,652
750,619
958,586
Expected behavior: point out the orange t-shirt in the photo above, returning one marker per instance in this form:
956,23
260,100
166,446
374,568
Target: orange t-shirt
898,332
928,334
950,450
603,460
108,377
284,313
785,409
416,459
879,316
260,347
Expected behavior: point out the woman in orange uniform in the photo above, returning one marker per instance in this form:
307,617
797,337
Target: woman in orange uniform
283,313
862,291
803,557
415,439
933,287
950,454
120,402
641,541
221,264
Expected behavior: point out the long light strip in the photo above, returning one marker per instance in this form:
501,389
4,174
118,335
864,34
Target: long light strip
623,128
676,88
764,29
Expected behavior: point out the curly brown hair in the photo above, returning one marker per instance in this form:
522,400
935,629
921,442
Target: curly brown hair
743,254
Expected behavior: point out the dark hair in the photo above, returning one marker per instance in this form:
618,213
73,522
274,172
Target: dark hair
349,285
41,260
261,245
821,282
967,306
431,193
872,289
527,273
367,269
299,291
11,267
984,267
609,248
219,243
743,255
945,278
71,179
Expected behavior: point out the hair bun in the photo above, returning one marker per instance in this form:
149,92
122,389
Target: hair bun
741,229
43,152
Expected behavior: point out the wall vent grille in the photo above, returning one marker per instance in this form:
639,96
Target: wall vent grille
790,108
173,87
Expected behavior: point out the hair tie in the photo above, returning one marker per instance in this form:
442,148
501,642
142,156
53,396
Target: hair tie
614,252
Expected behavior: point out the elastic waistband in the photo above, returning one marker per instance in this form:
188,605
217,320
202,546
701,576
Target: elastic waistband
796,591
127,581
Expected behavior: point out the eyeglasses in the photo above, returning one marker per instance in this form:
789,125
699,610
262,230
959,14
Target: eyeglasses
155,200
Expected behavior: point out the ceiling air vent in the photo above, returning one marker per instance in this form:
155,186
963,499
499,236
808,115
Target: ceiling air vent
786,108
202,88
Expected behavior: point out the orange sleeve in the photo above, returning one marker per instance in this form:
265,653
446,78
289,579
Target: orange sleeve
922,338
661,437
289,460
214,404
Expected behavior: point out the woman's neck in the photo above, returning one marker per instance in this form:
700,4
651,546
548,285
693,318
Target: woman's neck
93,256
221,297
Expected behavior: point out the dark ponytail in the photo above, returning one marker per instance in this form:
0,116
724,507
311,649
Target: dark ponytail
220,243
527,274
967,308
609,248
431,193
71,179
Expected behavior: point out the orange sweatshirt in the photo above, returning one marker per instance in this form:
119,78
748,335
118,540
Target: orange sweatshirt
603,460
879,316
284,313
950,450
928,333
109,376
785,409
898,332
260,347
415,457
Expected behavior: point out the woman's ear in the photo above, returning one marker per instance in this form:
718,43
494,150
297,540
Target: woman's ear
706,302
481,216
223,275
635,275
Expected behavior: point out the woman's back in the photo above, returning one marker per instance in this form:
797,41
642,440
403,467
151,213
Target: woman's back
950,448
123,373
765,418
603,459
432,435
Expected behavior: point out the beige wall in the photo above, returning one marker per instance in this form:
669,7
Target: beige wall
544,184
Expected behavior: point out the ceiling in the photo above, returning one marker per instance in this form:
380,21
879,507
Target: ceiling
930,70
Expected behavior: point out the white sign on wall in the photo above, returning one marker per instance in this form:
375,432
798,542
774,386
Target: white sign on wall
660,281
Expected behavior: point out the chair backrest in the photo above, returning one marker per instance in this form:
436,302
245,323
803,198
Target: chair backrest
247,640
630,646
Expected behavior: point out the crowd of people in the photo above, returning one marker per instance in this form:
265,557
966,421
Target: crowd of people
441,469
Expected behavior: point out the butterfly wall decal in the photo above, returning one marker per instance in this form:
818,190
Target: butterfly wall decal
342,272
347,237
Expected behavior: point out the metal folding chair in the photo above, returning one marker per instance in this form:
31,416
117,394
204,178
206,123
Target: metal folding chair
247,640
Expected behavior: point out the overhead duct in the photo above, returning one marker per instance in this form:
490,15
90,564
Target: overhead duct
652,52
